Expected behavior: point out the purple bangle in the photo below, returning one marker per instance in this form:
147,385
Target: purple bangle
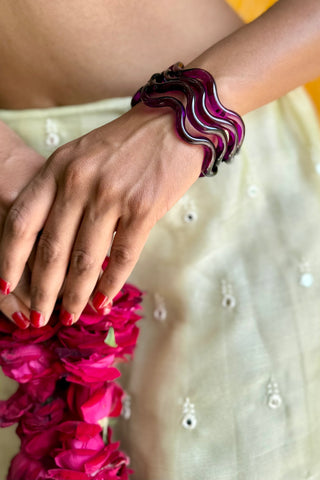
221,130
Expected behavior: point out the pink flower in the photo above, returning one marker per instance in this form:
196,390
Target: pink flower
88,335
6,327
11,332
26,398
42,417
15,407
93,403
25,362
95,369
24,467
40,444
85,457
88,342
37,335
80,435
65,376
85,341
124,305
126,339
40,389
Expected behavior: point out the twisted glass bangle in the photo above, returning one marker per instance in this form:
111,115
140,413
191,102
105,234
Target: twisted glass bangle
221,130
217,142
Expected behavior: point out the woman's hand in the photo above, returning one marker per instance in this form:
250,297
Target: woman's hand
122,177
18,165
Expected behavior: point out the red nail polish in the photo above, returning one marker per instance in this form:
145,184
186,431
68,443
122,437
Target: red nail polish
107,309
99,301
20,320
37,319
66,318
4,287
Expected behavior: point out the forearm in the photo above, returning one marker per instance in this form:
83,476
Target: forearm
267,58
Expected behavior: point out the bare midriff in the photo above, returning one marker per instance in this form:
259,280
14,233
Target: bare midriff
68,52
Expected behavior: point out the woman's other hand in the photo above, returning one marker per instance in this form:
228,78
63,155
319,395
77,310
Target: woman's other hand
18,165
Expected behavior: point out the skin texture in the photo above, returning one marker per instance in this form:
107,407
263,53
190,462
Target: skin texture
88,189
67,53
268,57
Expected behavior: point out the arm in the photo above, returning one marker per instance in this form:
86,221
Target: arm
268,57
124,176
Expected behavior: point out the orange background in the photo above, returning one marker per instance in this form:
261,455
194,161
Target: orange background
249,10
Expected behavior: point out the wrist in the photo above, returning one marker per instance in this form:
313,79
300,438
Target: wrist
200,117
231,84
158,125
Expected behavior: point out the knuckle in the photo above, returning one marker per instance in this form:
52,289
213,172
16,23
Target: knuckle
144,210
7,198
122,255
72,298
110,281
81,262
72,179
48,249
107,191
38,295
16,223
59,156
140,204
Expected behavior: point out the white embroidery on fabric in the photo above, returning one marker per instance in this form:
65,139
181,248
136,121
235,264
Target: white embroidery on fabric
228,298
189,420
52,138
306,277
253,191
126,406
190,211
252,187
160,311
190,216
274,398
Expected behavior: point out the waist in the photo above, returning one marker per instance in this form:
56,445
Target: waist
109,50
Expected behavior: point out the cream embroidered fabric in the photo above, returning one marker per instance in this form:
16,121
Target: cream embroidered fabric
225,384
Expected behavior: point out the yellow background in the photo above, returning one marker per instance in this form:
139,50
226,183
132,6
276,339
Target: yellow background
249,10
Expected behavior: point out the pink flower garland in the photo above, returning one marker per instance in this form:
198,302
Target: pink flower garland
66,386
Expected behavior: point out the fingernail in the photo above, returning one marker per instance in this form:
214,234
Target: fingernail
37,319
107,309
4,287
99,301
20,320
66,318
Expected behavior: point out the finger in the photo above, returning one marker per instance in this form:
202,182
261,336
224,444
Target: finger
126,248
52,257
23,222
90,249
32,257
22,290
16,311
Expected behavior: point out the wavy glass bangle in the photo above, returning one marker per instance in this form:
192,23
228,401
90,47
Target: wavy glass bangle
219,131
